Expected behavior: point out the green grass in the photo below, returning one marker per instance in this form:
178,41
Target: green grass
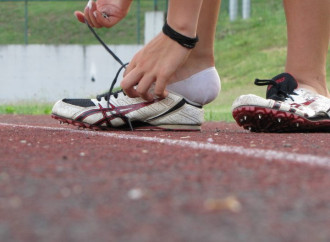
26,108
244,50
53,22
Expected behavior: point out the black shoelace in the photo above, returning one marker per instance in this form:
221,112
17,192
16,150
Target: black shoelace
107,95
281,94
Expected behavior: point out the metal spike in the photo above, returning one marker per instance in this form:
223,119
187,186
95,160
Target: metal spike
297,124
245,117
279,120
260,116
249,128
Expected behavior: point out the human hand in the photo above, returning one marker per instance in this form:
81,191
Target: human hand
155,63
104,13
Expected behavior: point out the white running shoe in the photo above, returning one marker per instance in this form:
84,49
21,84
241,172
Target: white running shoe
117,111
122,112
286,109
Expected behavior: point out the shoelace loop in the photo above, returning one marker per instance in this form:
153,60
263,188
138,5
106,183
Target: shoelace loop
281,94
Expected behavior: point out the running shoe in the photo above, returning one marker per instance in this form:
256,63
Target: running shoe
118,111
287,108
115,110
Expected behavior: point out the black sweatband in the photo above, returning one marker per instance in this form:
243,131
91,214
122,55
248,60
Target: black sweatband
185,41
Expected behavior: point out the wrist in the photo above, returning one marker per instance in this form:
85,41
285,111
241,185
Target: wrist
185,41
187,29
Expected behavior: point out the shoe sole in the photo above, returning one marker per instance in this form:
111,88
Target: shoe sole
145,127
261,119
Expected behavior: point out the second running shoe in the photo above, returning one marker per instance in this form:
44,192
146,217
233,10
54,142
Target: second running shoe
286,108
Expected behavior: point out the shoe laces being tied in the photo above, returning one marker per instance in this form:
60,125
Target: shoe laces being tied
280,87
107,95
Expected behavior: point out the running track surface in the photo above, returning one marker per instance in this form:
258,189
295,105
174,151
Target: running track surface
58,183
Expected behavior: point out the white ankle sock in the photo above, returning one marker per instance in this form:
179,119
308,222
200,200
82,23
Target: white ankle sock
202,87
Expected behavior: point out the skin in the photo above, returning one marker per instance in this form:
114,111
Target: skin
115,9
202,56
308,25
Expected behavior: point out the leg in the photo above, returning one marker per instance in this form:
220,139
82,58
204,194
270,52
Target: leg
308,24
198,80
202,56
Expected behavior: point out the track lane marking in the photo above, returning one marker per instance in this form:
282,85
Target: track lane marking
268,155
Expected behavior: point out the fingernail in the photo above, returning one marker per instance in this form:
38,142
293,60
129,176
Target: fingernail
89,4
95,14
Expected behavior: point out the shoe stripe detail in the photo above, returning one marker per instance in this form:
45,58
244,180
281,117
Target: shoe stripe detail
85,103
176,107
105,119
115,112
193,104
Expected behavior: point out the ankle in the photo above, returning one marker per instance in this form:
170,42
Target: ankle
321,91
193,65
205,58
317,85
309,80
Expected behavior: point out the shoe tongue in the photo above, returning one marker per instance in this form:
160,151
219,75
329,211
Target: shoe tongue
285,82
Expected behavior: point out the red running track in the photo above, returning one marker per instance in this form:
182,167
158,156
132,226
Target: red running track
58,183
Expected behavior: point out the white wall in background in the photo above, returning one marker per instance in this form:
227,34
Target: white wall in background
154,22
50,72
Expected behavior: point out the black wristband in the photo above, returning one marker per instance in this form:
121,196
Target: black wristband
185,41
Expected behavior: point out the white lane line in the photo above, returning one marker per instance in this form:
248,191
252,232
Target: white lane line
239,150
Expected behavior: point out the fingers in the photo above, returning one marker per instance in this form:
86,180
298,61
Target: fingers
138,79
128,83
160,88
129,68
144,86
89,10
86,13
144,82
138,85
96,18
103,20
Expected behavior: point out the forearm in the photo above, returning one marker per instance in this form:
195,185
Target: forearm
183,16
